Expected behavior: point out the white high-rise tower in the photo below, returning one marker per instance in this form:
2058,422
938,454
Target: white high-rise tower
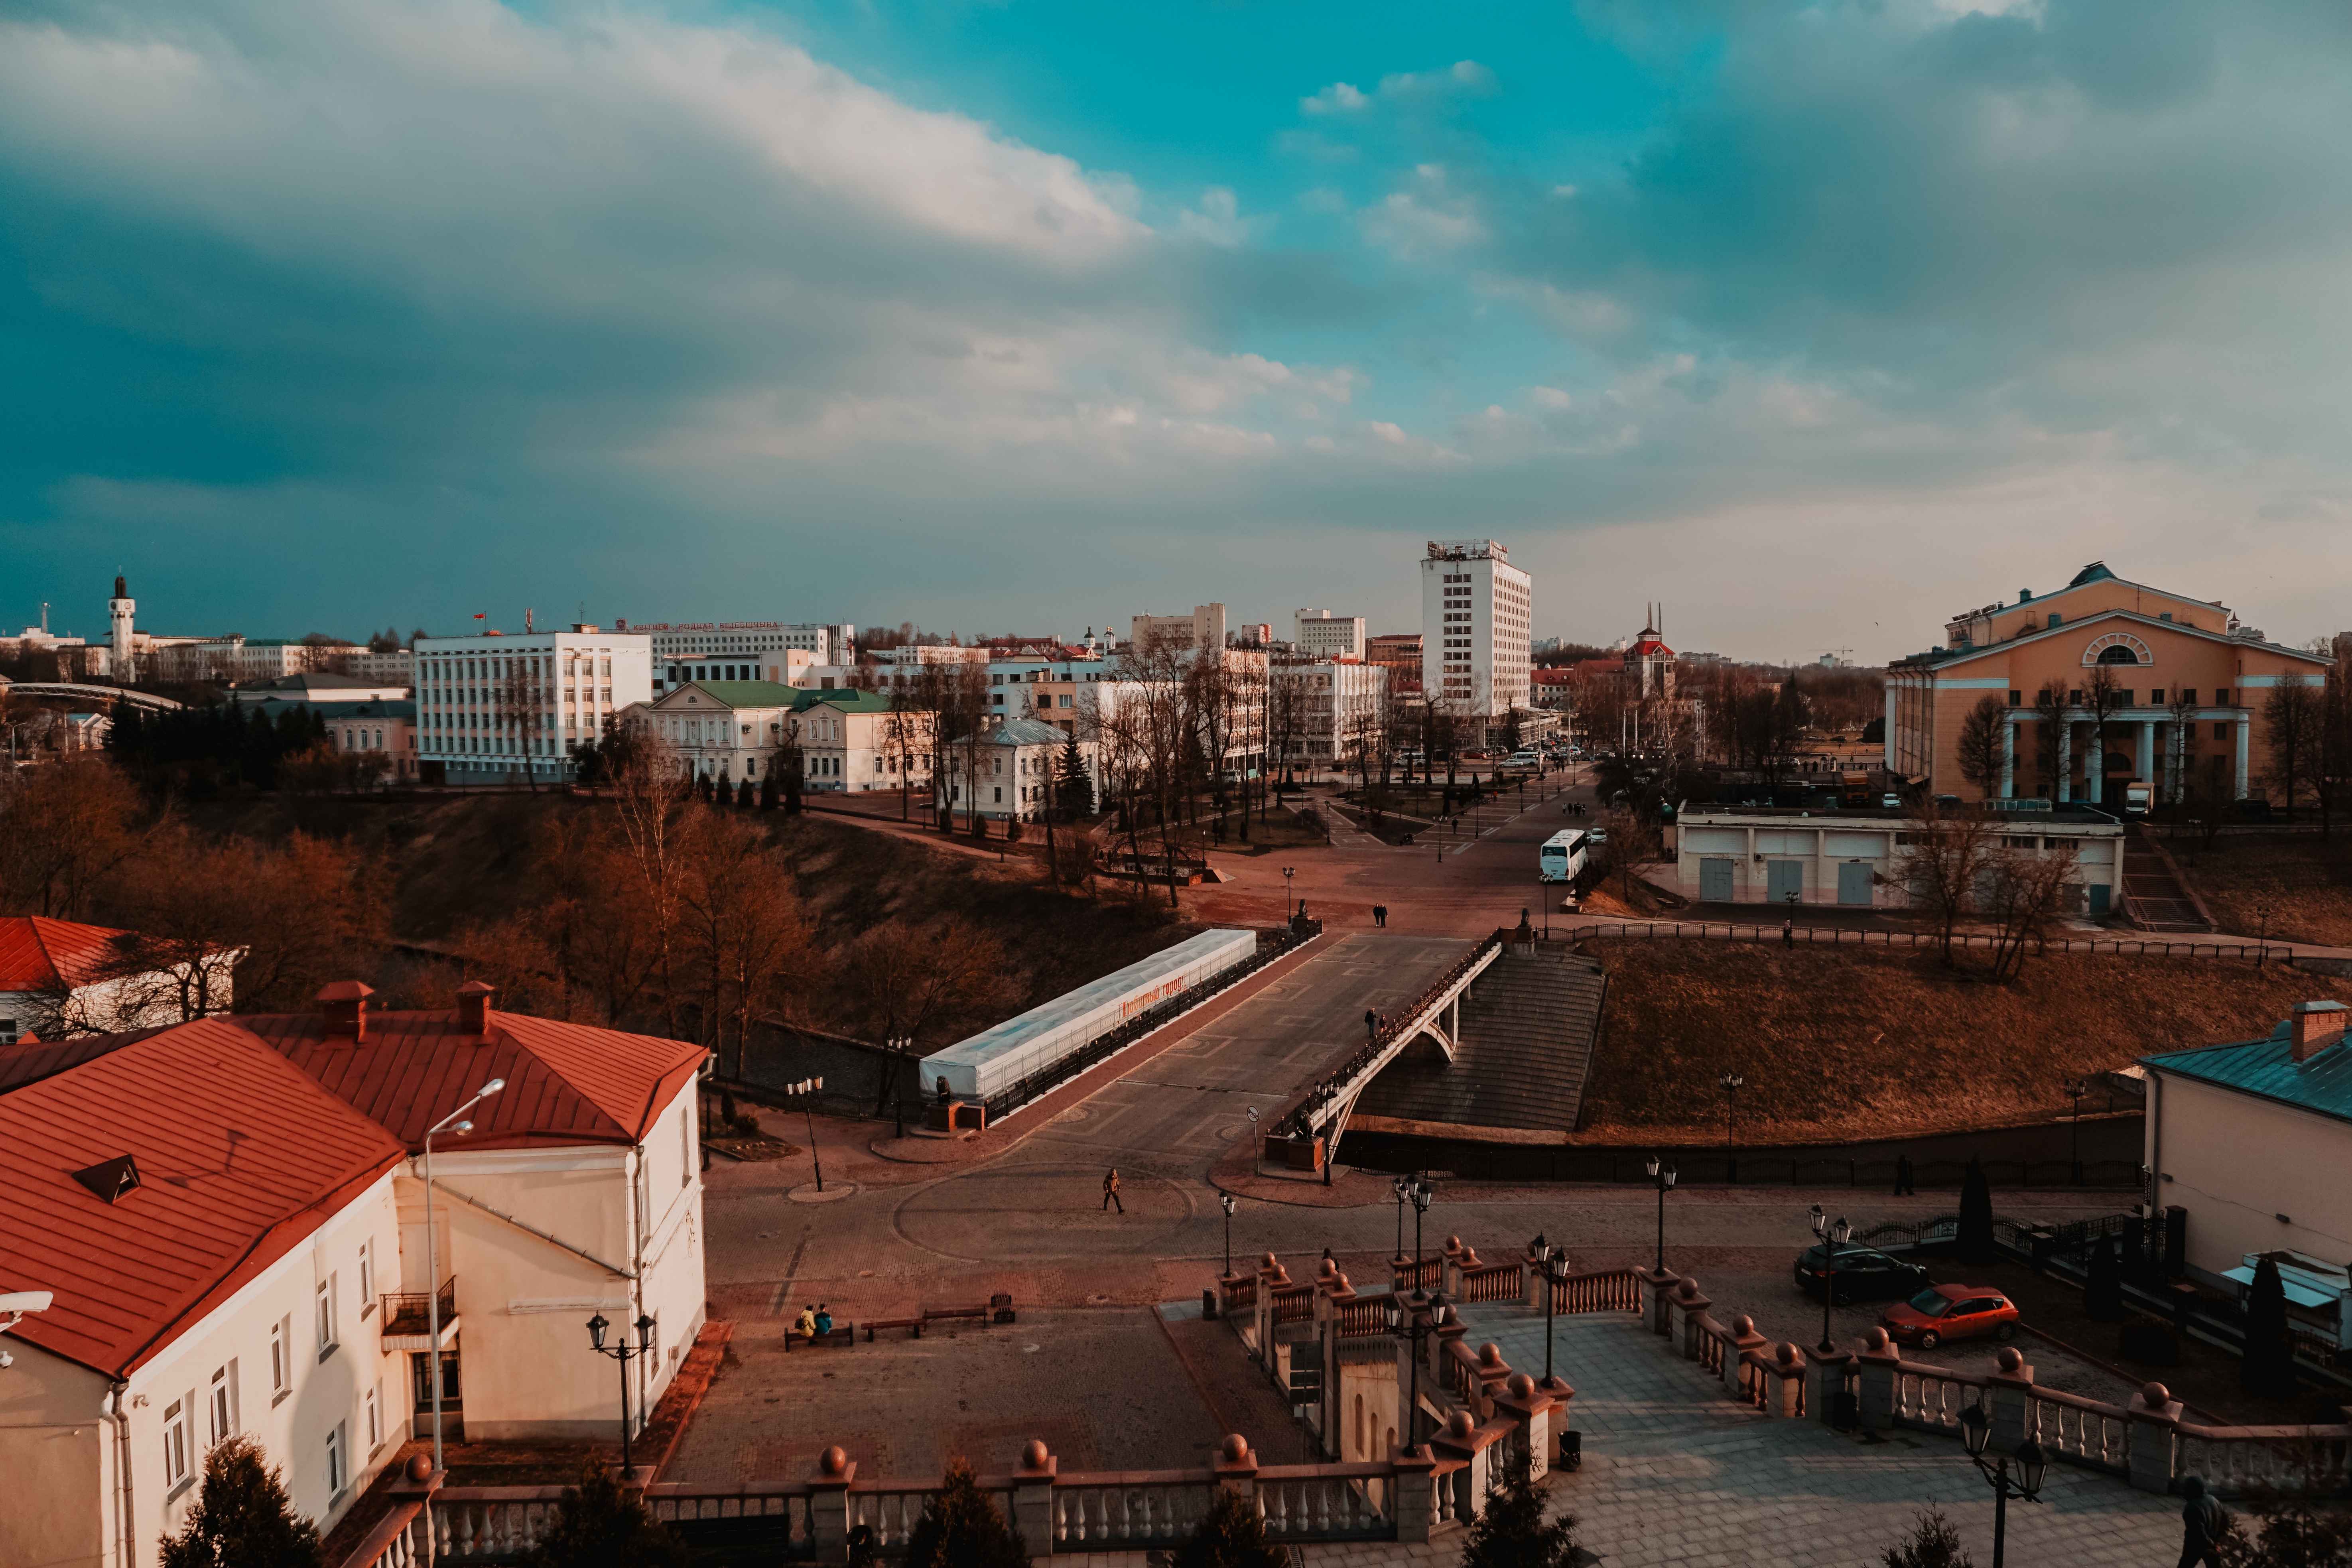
1474,629
120,664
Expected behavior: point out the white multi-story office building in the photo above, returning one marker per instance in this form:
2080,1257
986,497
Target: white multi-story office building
1475,630
742,650
1320,634
495,707
1203,631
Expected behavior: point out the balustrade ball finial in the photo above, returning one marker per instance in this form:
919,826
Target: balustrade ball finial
1786,1354
2156,1396
1875,1341
1490,1356
1520,1386
835,1460
1461,1425
1743,1325
1234,1449
2010,1359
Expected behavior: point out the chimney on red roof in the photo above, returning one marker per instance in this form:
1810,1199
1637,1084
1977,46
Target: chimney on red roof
2315,1026
474,1007
342,1007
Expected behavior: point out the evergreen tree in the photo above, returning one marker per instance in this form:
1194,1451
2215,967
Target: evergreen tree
744,794
961,1528
1231,1534
1932,1543
1511,1532
599,1525
2102,1288
2268,1367
768,792
1975,1238
243,1518
1074,787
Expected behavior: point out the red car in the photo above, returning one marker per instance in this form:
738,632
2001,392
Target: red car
1942,1313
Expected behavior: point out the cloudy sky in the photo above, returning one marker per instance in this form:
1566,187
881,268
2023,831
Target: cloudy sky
1817,323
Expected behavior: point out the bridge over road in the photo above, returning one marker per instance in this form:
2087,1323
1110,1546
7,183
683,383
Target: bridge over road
76,691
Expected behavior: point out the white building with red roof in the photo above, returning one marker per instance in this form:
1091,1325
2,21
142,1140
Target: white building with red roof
60,977
231,1214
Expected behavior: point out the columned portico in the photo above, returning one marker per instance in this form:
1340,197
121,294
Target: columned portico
2008,759
2147,765
2245,729
2065,760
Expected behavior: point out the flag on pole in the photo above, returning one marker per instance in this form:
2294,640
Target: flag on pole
481,615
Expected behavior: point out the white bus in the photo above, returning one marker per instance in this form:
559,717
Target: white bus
1562,856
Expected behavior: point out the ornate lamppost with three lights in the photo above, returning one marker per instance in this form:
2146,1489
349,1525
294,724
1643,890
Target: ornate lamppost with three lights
1664,1175
1832,1237
2033,1467
622,1353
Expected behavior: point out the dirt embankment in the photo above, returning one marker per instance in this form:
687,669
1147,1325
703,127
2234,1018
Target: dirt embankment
2303,880
462,861
1842,1043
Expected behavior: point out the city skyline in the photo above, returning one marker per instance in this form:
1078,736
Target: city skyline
962,317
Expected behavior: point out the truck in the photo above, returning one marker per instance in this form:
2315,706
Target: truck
1854,785
2139,798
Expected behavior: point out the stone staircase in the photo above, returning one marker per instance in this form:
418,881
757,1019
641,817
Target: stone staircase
1530,1025
2154,899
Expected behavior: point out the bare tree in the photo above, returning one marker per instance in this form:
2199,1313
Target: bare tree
1942,859
1981,744
913,979
2022,892
64,829
2103,697
2292,727
743,926
519,696
2180,739
2054,718
2331,771
650,790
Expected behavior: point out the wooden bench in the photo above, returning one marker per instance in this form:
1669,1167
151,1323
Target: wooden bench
840,1334
914,1323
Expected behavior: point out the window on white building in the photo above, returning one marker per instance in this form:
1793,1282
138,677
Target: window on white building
336,1468
367,1276
375,1416
176,1443
325,1304
220,1414
281,1361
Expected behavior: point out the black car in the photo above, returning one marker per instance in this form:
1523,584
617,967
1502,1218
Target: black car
1863,1274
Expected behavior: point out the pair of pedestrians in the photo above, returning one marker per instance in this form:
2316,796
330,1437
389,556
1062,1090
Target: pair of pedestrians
1380,914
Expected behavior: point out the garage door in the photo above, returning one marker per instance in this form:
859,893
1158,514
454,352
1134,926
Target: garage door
1854,881
1784,880
1714,880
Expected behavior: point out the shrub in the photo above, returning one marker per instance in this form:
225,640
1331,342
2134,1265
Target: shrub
2292,1534
2103,1283
745,1124
961,1528
1013,831
2149,1339
1511,1532
1932,1543
727,1106
242,1516
1230,1535
598,1525
2269,1364
1974,1237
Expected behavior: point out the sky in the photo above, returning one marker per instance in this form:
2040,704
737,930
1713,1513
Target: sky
1814,322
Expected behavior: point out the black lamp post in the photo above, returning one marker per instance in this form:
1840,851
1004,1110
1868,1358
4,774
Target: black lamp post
2032,1466
1665,1176
1731,1084
1228,1202
1422,1194
1287,872
1403,1188
2076,1090
622,1353
2263,951
898,1048
1552,1263
807,1089
1412,1318
1833,1236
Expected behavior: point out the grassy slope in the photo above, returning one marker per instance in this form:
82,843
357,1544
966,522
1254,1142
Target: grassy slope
467,860
1848,1042
2304,879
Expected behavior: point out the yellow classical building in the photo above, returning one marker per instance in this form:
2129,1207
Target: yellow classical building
2183,686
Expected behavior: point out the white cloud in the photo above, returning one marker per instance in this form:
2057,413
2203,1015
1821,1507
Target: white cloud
1340,98
1550,397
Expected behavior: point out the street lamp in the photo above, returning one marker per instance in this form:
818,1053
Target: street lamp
2076,1090
1402,1186
1412,1318
1287,872
898,1049
806,1088
450,1123
1422,1194
1552,1264
2032,1466
1731,1083
622,1353
1831,1237
1228,1202
2263,952
1665,1176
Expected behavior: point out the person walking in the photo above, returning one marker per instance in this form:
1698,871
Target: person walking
1111,1190
1789,930
2204,1522
1903,1187
1371,1023
1380,914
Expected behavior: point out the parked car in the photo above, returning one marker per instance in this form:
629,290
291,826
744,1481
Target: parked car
1596,835
1864,1274
1942,1313
1522,759
1890,801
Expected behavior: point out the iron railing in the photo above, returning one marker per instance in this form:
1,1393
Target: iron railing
410,1312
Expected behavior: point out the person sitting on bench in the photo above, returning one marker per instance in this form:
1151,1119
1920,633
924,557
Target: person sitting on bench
806,1324
824,1319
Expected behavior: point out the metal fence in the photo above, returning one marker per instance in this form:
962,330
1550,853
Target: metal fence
1840,936
1502,1163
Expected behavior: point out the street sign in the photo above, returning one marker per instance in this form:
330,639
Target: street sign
1306,1384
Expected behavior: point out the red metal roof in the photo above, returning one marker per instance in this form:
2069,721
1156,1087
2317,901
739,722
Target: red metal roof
37,953
566,1083
240,1157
